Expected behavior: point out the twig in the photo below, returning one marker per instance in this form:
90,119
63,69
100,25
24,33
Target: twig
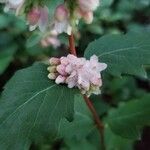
97,120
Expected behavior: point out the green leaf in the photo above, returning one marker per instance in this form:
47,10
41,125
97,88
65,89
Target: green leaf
124,54
83,144
114,142
6,56
52,6
106,3
128,120
79,133
82,124
31,108
34,39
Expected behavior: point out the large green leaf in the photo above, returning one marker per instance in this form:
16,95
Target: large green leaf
31,108
115,142
83,144
76,133
124,54
82,124
128,120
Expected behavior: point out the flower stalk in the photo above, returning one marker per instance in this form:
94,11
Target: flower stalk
72,45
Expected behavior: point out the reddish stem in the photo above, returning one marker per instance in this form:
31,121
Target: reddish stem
97,120
72,45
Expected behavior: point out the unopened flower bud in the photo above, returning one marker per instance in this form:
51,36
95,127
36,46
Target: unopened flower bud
95,90
52,76
64,61
54,61
52,69
61,69
60,79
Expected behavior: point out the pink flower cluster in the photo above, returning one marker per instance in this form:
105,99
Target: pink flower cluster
77,72
84,9
62,21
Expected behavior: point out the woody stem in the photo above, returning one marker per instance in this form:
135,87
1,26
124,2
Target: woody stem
72,45
97,120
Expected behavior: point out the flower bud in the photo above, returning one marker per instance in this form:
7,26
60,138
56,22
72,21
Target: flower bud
54,61
64,61
33,16
52,69
61,13
61,69
52,76
60,79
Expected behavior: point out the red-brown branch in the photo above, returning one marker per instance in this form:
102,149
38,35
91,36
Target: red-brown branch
72,45
97,120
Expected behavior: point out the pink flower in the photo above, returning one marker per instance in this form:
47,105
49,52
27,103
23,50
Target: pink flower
61,13
38,17
85,9
62,20
33,16
81,73
88,5
54,61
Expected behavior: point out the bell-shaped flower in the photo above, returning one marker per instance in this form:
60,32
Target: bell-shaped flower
38,17
88,5
62,21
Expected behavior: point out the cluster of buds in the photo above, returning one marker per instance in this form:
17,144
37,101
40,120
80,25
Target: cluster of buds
77,72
